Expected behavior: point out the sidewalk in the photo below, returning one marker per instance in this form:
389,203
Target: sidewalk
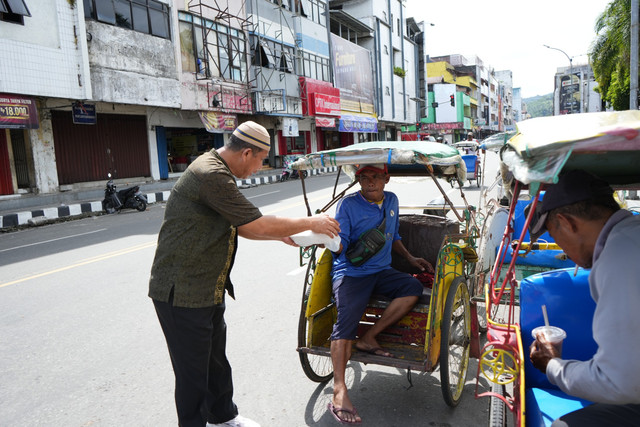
22,210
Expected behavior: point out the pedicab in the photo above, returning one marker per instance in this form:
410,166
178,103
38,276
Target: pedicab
605,144
469,152
441,330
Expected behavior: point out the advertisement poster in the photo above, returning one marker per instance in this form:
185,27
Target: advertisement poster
18,112
570,94
353,73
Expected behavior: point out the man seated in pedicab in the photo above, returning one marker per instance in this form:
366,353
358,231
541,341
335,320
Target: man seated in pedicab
355,279
582,216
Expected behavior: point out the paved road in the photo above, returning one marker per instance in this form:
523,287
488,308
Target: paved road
80,344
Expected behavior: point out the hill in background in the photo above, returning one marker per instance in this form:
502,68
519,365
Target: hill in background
539,106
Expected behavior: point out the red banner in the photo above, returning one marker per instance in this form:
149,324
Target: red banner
328,105
18,112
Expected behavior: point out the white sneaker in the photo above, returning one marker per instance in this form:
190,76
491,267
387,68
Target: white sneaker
238,421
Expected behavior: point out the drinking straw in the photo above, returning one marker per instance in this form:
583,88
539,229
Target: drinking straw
544,314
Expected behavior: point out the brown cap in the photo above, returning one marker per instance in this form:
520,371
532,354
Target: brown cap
254,134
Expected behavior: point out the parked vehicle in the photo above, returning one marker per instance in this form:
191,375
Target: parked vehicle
606,144
287,172
441,331
129,198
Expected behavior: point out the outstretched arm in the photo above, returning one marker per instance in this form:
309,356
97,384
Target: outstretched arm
270,227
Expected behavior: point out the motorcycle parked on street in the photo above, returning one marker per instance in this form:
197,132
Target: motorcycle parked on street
129,198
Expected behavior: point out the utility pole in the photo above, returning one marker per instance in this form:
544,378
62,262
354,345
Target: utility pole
633,70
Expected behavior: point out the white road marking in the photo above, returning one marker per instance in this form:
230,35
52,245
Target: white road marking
52,240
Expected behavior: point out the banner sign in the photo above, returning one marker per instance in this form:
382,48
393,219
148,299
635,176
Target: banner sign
444,126
328,105
358,124
352,70
229,99
18,112
218,122
83,114
325,122
290,127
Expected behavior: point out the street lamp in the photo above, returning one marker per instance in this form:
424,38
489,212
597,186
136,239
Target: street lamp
570,67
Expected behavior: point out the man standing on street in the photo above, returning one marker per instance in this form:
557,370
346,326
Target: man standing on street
582,216
196,248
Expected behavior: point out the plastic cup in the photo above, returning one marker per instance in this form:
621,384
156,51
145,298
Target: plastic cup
553,334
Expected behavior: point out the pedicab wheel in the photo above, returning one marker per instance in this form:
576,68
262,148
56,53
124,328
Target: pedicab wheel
317,368
497,408
478,175
455,342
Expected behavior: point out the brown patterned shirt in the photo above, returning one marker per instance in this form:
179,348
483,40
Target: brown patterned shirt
198,239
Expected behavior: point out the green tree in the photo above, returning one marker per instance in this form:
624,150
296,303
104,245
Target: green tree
610,54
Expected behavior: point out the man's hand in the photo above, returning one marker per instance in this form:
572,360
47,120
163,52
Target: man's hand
421,263
289,241
541,352
324,224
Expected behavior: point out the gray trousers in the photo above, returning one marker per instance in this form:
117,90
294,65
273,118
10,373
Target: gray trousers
601,415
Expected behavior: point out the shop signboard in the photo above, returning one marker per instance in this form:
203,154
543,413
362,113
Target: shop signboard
364,124
444,126
352,70
83,114
325,122
18,112
218,122
327,105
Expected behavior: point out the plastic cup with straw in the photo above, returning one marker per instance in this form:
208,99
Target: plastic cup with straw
553,334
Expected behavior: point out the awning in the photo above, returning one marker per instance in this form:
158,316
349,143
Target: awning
216,122
352,123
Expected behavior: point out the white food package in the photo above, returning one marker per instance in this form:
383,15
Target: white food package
308,238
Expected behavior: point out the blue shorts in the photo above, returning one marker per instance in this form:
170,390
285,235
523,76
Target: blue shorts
353,293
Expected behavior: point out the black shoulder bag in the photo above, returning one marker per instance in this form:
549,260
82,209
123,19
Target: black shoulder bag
368,244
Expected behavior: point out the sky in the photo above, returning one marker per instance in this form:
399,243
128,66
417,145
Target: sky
510,34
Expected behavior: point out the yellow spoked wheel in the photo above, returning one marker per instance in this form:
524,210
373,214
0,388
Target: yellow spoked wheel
456,342
499,365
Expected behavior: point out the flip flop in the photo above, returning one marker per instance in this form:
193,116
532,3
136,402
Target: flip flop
335,411
376,351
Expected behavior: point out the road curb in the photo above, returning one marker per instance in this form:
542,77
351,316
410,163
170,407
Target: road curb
41,216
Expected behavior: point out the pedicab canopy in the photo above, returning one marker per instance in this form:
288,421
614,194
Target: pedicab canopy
402,158
607,144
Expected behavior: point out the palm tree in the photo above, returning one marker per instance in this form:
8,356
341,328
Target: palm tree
610,54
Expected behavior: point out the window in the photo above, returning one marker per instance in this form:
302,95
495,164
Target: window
272,54
212,50
13,11
315,10
144,16
315,67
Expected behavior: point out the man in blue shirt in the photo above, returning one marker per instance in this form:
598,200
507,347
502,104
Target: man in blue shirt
354,285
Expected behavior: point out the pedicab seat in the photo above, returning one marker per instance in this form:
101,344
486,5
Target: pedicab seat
570,307
470,162
423,236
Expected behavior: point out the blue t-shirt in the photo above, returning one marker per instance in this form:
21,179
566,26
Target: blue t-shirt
357,215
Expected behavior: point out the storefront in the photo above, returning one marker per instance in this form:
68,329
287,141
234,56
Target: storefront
18,114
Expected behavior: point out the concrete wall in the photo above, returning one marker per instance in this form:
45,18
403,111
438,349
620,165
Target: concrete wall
132,67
